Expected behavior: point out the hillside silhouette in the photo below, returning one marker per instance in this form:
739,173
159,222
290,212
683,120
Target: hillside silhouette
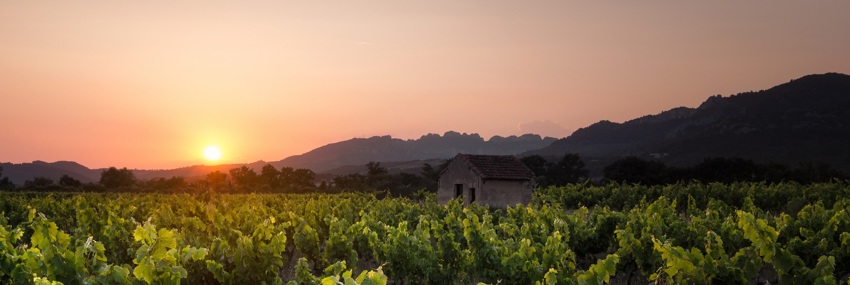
804,120
337,158
359,151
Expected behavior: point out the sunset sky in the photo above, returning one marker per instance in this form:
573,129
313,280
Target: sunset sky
151,84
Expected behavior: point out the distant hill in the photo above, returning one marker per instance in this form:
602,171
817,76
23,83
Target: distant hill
337,158
359,151
413,166
21,172
804,120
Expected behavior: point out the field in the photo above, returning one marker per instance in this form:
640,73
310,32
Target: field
580,234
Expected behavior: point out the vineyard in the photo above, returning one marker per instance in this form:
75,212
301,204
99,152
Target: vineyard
746,233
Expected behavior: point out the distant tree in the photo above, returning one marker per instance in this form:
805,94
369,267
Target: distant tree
678,174
775,172
354,181
432,174
377,179
727,170
537,164
113,178
165,185
287,176
38,181
244,176
570,169
69,181
814,173
270,176
635,170
404,184
5,183
216,178
304,177
297,178
718,169
375,174
541,167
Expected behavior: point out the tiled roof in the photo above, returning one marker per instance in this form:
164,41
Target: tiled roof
497,166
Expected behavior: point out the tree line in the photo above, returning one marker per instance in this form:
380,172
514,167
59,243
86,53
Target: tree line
244,180
568,169
725,170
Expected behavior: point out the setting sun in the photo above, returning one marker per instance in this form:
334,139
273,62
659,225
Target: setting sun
212,152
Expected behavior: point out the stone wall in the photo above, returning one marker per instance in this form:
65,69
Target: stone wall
503,193
458,172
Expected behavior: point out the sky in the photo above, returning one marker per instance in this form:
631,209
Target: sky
151,84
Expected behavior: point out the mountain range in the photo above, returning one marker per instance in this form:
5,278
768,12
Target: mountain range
337,158
360,151
804,120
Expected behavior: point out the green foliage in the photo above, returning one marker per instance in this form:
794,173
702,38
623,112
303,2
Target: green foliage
337,275
247,258
675,234
158,260
599,273
53,259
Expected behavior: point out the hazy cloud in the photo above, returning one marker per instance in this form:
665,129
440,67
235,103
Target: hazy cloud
545,128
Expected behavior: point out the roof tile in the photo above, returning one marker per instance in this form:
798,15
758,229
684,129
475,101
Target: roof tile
497,166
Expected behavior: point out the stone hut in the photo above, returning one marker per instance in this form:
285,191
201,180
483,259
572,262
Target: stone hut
495,180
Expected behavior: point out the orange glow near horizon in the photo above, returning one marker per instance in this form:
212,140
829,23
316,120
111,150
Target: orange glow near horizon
148,85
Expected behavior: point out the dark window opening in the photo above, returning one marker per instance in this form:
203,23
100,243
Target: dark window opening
471,195
458,190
